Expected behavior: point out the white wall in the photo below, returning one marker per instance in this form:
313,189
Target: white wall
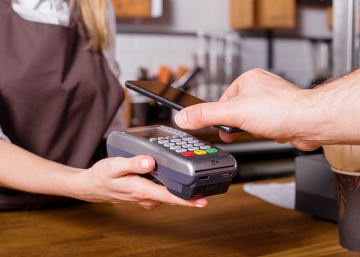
292,57
135,50
187,15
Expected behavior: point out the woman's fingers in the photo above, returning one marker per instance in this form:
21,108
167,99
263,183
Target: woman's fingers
148,204
141,189
119,166
149,190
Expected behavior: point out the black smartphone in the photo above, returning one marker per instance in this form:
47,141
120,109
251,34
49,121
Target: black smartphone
171,97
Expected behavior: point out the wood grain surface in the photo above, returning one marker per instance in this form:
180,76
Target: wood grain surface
132,8
242,14
234,224
273,14
268,14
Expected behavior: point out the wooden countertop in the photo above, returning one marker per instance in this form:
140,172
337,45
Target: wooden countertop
234,224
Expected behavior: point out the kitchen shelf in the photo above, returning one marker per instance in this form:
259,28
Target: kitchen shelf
121,29
323,2
257,33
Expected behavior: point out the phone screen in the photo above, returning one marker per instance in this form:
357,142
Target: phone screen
169,92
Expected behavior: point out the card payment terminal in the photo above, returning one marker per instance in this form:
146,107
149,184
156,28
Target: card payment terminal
188,167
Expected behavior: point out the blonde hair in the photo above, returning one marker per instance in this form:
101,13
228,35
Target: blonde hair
94,15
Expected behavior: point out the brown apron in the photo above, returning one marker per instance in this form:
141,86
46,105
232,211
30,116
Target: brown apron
56,98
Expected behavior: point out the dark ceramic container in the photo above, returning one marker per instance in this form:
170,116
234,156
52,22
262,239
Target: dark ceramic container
347,188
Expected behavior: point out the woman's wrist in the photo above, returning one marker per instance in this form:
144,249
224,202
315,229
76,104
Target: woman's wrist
72,182
87,185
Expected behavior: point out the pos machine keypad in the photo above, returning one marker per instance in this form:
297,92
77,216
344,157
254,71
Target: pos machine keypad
183,144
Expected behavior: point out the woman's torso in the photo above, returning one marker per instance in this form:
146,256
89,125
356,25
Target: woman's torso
56,99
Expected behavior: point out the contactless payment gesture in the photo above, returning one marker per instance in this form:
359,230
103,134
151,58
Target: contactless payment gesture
188,167
172,97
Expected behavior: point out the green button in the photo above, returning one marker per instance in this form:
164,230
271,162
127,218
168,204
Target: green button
211,150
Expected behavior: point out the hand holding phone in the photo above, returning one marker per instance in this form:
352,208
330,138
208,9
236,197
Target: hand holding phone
172,97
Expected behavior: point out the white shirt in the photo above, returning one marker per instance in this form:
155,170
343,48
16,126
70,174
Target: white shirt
57,12
2,136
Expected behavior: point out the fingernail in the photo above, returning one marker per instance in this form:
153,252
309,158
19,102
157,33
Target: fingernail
145,164
199,205
181,119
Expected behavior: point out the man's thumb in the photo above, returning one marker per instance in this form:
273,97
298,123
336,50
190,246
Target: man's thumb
202,115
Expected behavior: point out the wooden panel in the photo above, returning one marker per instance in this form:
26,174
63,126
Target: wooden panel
181,71
242,14
275,13
165,75
357,20
127,113
132,8
234,224
329,11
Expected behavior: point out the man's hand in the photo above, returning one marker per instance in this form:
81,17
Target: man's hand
115,180
260,103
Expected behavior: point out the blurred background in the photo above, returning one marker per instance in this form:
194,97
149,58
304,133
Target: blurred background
203,45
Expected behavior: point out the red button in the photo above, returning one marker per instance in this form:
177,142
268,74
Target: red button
188,153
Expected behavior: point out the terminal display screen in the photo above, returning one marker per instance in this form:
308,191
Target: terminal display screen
152,132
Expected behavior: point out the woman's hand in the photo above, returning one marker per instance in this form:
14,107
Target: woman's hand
110,180
115,180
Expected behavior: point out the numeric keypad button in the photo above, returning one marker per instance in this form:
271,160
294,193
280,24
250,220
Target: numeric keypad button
187,138
211,150
200,152
163,141
199,144
181,143
181,150
175,140
193,141
193,148
169,144
188,154
187,145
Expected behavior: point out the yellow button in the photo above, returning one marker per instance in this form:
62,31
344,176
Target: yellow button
200,152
